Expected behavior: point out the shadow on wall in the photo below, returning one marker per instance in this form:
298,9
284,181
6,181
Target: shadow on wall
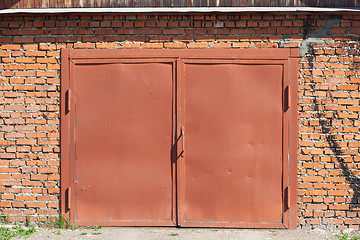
4,4
325,123
331,3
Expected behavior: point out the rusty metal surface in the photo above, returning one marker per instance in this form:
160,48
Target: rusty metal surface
123,132
233,144
236,137
21,4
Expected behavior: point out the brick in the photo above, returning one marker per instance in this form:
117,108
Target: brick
35,53
5,204
10,46
338,207
25,198
205,39
152,45
173,31
197,45
7,197
348,87
46,74
352,221
220,45
24,60
4,54
47,212
23,40
84,45
7,155
242,45
35,204
47,198
338,193
106,45
313,178
174,45
8,170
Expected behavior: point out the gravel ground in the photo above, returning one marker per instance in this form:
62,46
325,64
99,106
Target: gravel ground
160,233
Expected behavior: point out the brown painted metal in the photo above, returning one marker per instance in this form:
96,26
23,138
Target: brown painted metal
65,134
123,136
232,163
233,144
26,4
293,135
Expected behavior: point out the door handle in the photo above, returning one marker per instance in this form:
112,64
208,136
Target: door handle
181,154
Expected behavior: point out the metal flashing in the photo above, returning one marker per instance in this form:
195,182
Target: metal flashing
177,10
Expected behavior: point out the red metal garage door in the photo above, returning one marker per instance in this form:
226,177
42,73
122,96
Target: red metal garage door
187,138
122,126
232,171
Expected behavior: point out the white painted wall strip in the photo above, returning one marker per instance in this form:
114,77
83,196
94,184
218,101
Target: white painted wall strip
179,10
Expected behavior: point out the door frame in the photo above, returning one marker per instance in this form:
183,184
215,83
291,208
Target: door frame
182,162
286,57
69,125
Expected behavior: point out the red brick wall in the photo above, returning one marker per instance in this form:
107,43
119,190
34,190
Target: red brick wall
328,106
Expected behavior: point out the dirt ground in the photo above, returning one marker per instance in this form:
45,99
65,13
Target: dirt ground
152,233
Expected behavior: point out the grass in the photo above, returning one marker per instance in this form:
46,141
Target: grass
93,227
4,219
27,223
16,231
7,233
173,234
61,222
64,223
346,236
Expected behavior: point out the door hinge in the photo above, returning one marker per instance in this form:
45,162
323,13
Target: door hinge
68,198
286,99
287,197
68,100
